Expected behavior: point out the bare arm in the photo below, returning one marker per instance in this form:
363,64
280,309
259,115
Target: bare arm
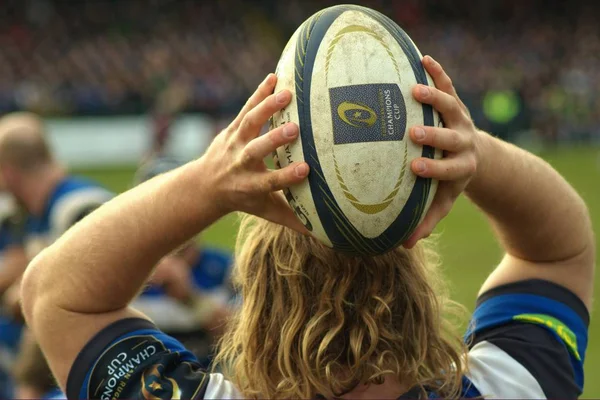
87,278
540,220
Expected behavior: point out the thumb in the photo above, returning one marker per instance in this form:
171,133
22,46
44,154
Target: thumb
279,211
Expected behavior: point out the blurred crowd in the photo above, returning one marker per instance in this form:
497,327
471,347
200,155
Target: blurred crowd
520,65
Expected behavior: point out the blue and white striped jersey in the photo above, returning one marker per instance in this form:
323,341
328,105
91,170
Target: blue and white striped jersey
527,340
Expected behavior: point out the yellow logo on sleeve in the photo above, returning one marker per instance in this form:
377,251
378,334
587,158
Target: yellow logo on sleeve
567,335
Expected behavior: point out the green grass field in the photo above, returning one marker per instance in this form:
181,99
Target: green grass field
466,243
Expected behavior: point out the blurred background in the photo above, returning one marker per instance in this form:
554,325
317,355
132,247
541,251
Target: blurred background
118,80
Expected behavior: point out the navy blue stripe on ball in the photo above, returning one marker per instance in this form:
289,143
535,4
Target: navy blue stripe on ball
418,197
339,230
343,235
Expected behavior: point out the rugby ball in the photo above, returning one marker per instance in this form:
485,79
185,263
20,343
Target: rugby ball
351,71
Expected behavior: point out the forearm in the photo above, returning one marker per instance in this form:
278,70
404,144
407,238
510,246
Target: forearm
537,215
102,262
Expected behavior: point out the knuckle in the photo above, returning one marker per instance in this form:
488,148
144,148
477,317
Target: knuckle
454,106
468,142
250,119
246,156
272,182
227,132
431,135
244,125
455,139
231,143
250,104
472,165
274,138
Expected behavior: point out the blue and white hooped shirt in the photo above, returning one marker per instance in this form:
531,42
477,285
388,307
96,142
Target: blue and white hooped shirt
527,340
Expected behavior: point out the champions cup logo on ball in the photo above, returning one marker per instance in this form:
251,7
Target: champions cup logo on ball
357,119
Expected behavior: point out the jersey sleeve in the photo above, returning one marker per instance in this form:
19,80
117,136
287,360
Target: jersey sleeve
528,340
133,359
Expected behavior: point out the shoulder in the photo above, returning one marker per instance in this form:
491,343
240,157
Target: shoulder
133,359
528,340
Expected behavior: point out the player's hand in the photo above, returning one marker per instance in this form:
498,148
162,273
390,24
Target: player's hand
458,139
236,158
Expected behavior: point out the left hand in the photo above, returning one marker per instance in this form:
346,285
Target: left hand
458,139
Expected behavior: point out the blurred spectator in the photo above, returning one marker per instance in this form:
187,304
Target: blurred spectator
519,65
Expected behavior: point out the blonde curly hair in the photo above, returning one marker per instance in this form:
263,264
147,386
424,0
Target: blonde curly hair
317,322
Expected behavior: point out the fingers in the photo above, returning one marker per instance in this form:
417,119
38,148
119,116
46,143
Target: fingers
256,118
264,145
280,212
441,80
445,103
440,208
262,92
440,138
275,180
446,169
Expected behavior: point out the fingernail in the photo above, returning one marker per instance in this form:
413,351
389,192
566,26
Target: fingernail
420,166
281,97
301,170
289,130
419,134
432,61
424,91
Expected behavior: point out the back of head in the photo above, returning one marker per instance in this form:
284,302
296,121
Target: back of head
314,321
23,142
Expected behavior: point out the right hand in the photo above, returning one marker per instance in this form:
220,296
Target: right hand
238,175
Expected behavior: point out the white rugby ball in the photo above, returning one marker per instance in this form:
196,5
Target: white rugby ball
351,71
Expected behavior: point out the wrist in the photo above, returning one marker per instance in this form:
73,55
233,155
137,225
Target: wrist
209,189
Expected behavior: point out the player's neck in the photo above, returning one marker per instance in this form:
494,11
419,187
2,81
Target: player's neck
39,186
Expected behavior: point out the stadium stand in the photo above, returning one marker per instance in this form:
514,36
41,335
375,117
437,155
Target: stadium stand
518,65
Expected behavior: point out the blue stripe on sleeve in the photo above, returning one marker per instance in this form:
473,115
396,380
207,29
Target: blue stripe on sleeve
523,308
